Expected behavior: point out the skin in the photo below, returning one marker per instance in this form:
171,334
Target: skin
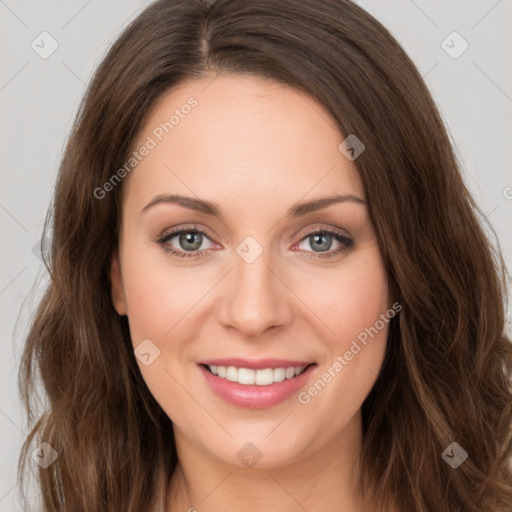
255,148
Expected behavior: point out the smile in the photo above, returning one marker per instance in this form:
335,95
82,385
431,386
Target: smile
255,384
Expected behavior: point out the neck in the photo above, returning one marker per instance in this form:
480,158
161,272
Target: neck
327,479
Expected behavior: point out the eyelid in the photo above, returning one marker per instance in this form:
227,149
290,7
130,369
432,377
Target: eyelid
324,228
185,227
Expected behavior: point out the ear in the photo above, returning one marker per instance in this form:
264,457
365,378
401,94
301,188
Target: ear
116,283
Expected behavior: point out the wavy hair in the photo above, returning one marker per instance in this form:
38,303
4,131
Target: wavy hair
447,372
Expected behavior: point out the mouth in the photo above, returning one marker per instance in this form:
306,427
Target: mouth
256,384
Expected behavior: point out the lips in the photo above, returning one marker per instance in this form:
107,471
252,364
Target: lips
255,383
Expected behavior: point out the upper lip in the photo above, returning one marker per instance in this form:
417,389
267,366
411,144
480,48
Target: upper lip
256,364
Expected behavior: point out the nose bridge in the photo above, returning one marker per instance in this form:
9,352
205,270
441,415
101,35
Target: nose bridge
256,299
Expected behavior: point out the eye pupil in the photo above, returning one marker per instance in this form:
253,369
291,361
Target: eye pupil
190,237
322,236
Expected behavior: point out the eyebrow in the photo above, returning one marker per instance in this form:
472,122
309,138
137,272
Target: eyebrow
209,208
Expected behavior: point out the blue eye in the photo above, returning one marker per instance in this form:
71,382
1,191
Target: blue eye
190,241
321,242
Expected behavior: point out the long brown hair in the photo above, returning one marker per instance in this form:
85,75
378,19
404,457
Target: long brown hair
447,373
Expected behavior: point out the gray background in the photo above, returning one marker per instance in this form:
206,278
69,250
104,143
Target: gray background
39,98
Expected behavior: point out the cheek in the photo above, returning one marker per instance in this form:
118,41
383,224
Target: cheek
160,303
354,297
357,297
158,295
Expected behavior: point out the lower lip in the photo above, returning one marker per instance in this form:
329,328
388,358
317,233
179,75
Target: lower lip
252,396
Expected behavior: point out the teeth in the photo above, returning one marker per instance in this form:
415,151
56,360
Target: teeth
263,377
279,374
290,372
232,374
245,376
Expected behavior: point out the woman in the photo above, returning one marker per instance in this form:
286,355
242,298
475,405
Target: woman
270,287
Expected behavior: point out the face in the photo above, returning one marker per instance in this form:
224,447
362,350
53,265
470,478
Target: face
240,274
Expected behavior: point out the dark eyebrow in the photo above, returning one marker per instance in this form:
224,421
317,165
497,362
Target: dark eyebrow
316,204
214,209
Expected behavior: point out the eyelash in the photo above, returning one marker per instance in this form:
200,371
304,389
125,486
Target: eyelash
346,243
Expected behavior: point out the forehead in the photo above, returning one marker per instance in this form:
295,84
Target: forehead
233,136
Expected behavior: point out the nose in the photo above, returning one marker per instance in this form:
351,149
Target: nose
255,299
